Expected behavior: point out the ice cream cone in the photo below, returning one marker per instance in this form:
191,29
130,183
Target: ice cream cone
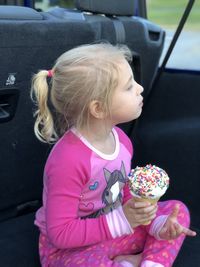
152,201
148,184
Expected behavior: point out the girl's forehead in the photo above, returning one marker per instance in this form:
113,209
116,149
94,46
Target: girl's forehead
125,67
126,72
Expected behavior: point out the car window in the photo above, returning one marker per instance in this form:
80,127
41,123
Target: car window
45,5
186,53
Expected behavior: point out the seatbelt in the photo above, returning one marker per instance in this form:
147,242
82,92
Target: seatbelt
171,47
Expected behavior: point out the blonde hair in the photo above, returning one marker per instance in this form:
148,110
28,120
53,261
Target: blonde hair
80,75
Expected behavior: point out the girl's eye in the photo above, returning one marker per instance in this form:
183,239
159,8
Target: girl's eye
129,88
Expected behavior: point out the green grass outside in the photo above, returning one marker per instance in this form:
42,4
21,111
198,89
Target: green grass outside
168,13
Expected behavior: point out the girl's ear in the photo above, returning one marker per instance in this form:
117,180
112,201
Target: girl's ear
96,109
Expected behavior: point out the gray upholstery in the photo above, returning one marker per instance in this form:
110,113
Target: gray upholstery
19,13
109,7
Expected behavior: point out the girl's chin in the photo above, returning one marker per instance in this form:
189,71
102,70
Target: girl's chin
136,116
139,113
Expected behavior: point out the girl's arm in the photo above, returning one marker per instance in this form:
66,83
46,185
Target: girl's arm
64,228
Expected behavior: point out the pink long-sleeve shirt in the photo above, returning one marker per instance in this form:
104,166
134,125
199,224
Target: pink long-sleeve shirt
84,190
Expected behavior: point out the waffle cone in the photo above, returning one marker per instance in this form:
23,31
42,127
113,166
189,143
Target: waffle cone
150,200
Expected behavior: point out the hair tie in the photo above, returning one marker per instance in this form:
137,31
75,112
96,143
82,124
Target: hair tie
50,73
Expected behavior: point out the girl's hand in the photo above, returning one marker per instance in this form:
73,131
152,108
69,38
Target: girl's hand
172,229
139,212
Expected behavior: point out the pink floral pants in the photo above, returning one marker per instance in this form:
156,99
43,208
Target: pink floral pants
102,254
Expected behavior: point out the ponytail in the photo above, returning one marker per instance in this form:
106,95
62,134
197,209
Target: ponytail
44,124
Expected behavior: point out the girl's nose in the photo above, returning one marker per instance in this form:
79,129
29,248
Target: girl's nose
140,89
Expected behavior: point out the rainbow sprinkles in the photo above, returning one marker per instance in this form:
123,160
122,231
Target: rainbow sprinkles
150,182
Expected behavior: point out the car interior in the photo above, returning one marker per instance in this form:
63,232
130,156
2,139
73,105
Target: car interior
167,133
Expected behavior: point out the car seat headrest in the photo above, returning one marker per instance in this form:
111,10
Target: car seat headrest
107,7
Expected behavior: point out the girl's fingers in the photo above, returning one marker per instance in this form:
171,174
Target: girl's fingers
175,212
179,228
183,230
153,211
145,217
141,204
173,233
188,232
147,210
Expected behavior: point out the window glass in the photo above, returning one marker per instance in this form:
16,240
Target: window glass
167,14
45,5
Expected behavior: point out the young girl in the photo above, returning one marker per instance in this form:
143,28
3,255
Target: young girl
88,217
